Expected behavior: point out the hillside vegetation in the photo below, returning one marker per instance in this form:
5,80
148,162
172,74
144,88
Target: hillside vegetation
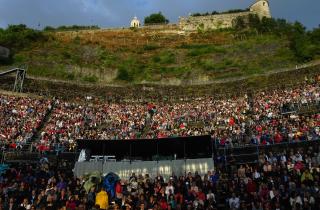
161,55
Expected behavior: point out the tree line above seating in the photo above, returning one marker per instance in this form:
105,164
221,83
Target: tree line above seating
305,44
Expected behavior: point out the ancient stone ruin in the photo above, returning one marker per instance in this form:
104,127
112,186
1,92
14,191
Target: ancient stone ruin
223,20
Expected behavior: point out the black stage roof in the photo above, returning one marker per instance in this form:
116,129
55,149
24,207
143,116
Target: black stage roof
150,149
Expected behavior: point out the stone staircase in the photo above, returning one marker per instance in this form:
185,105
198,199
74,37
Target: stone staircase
146,128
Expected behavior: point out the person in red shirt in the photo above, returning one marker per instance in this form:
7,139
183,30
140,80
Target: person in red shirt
251,187
71,204
278,138
179,198
231,121
259,128
201,195
163,204
299,166
118,190
13,145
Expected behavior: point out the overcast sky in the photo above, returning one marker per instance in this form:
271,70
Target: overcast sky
118,13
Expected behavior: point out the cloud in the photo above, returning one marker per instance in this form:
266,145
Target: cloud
118,13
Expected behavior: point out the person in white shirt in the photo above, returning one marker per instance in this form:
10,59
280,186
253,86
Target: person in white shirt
26,204
256,174
298,157
234,202
295,199
309,199
169,188
283,158
211,196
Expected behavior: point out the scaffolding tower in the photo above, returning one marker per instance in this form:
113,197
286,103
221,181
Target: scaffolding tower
19,80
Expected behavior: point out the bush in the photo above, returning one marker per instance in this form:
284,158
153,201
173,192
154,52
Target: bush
90,79
150,47
239,23
156,18
49,28
165,57
124,75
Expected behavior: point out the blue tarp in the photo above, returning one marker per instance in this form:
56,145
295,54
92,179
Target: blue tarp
109,183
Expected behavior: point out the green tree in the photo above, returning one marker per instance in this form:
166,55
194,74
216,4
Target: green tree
267,25
300,43
49,28
239,23
315,35
156,18
282,27
254,22
19,36
315,40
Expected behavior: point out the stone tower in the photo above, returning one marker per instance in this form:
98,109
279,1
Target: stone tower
261,8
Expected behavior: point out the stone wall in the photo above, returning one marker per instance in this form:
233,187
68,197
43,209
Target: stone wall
160,26
193,23
210,21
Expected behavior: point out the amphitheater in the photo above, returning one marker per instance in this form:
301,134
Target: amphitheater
245,142
138,134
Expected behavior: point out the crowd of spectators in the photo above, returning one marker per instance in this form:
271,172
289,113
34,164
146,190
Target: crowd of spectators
286,179
271,124
92,120
257,119
202,116
19,118
233,121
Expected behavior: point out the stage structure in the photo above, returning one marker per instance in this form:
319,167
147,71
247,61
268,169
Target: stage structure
164,156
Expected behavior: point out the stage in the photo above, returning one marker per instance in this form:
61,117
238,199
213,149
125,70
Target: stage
147,156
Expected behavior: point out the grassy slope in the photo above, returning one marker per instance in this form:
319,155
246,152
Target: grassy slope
153,56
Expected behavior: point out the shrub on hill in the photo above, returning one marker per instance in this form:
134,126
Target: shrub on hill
156,18
19,36
124,75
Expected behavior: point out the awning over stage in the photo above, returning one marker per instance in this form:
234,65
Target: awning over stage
151,149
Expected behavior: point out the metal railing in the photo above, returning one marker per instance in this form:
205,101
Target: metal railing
240,154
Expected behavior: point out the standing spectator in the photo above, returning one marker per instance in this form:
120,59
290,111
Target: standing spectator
102,199
234,202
